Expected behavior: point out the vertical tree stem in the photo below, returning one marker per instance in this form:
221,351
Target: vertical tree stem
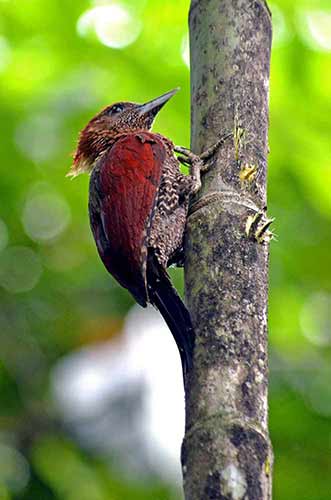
226,452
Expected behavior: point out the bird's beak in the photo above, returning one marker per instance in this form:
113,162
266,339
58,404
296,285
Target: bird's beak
154,106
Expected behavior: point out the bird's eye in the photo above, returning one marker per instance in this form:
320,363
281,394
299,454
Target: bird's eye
117,108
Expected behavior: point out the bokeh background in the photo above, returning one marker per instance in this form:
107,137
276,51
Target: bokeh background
91,404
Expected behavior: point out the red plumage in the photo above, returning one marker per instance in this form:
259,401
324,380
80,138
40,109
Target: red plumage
128,177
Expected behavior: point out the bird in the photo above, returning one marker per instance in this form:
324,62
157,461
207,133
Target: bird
138,206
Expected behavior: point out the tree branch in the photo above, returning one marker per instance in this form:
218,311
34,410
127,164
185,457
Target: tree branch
226,452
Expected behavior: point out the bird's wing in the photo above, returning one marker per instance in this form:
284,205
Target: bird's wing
123,193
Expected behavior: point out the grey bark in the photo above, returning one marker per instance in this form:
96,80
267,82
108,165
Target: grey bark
226,452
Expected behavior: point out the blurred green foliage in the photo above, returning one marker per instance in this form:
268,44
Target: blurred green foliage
59,63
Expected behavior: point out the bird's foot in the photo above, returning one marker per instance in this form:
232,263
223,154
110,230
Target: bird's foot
188,157
258,227
209,153
199,163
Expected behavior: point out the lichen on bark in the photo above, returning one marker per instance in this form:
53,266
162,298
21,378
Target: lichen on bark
226,452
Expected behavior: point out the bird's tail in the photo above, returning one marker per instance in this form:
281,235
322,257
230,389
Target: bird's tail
166,299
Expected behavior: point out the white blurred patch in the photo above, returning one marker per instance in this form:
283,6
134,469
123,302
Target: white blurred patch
185,50
83,381
315,319
45,216
151,342
126,397
280,30
38,137
114,25
20,269
315,28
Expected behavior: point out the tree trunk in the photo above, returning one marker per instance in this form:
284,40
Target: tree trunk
226,451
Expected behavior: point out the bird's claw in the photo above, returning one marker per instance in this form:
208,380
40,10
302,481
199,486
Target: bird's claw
189,158
206,155
199,163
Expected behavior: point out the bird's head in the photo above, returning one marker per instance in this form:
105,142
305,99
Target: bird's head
117,119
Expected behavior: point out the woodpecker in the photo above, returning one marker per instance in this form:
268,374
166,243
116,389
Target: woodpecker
138,204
